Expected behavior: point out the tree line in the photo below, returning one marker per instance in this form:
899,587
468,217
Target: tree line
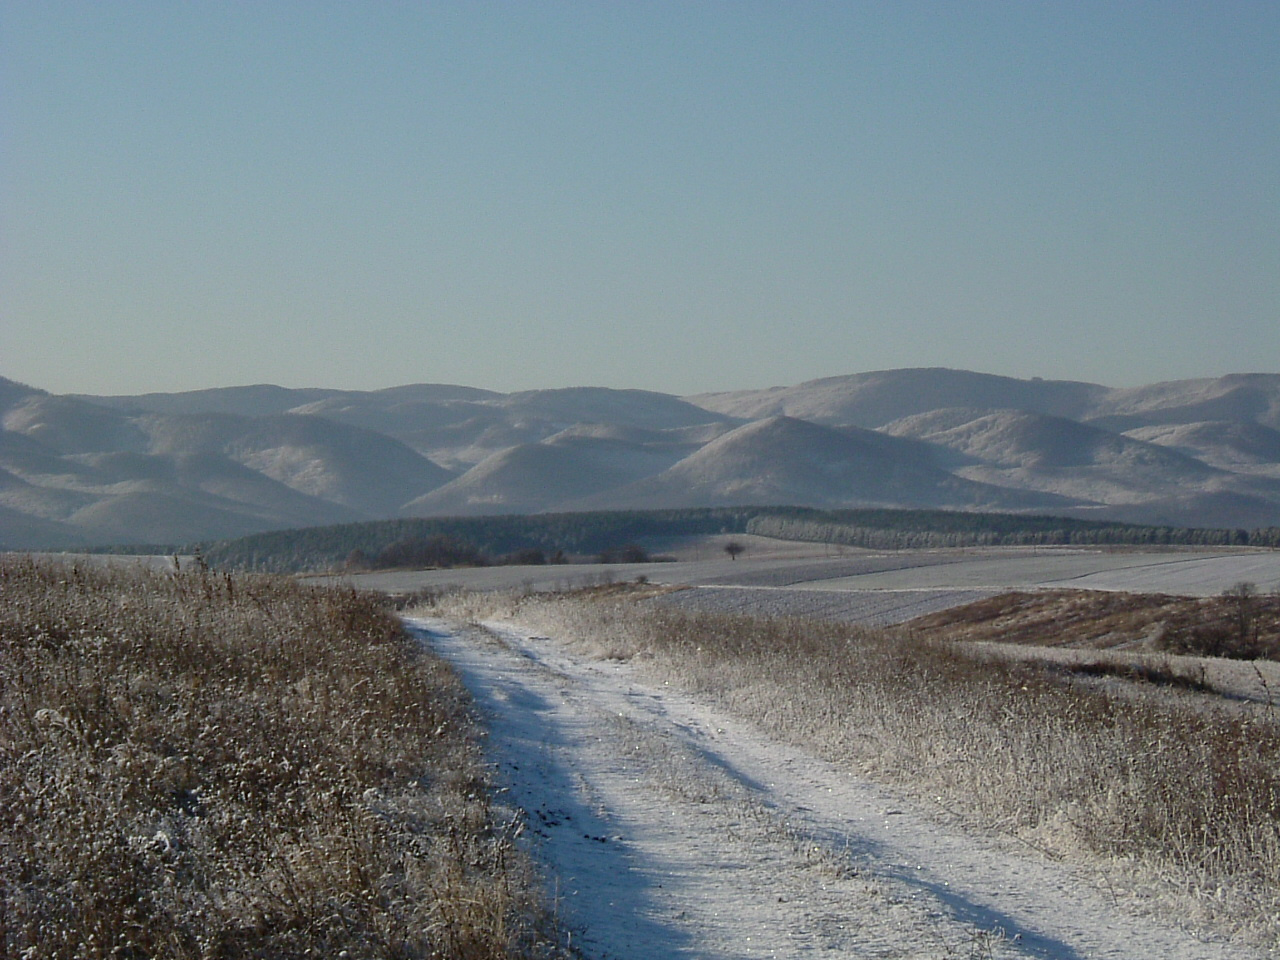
911,529
610,536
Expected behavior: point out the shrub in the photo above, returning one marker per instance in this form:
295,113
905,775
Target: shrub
434,551
1245,628
627,553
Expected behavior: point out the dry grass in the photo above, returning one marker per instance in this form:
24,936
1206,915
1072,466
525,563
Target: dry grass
196,765
1161,781
1097,619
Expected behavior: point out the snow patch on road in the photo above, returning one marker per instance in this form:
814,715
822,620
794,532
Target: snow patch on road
672,830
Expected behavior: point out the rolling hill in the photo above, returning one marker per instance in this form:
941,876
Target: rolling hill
875,399
1244,447
552,474
175,467
784,460
1108,471
95,473
1236,398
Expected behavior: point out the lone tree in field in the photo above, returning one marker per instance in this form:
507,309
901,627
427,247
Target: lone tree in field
733,548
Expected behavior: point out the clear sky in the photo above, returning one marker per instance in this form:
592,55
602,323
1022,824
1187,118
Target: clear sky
678,196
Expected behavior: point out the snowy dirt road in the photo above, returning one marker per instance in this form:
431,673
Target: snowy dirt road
670,830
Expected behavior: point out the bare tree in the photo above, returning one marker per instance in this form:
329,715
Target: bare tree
733,548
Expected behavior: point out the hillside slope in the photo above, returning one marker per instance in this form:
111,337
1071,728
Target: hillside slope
1080,461
783,460
874,399
80,472
221,462
550,475
1243,447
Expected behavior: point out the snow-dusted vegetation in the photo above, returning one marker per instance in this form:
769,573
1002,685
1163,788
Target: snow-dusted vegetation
1170,795
200,765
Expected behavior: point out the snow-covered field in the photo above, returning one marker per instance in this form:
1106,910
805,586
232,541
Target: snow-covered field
672,830
875,587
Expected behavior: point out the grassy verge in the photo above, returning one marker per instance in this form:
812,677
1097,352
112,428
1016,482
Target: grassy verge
200,765
1149,777
1240,623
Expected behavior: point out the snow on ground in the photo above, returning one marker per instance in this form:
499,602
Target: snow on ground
671,830
875,588
1190,572
1192,575
885,589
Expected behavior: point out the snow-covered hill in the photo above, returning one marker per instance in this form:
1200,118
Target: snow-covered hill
784,460
212,463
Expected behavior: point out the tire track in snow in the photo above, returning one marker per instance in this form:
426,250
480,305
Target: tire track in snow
675,831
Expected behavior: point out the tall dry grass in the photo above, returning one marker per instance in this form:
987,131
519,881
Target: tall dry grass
195,765
1158,779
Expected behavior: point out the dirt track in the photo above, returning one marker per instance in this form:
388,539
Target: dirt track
674,831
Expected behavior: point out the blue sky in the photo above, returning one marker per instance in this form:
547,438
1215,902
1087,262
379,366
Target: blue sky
673,196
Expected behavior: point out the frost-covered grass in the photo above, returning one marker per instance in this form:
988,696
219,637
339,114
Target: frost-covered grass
199,765
1155,779
870,607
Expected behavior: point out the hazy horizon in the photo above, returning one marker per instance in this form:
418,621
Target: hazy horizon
673,197
745,387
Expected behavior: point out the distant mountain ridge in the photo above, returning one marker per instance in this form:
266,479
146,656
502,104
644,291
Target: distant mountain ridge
174,467
872,400
875,399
